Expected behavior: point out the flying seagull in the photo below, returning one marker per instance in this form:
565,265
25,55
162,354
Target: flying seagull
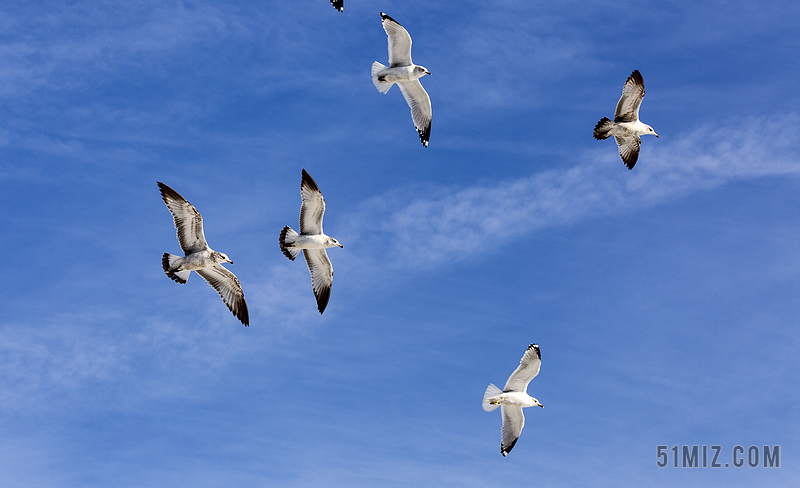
514,397
199,257
626,127
338,5
312,241
406,74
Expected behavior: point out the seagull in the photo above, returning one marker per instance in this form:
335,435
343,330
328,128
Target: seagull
514,397
406,74
626,127
338,5
312,241
199,257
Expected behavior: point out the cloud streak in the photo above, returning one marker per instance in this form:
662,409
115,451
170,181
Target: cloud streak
119,36
457,224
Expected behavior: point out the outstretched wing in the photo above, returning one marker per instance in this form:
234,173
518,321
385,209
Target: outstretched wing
321,271
631,99
527,370
628,149
399,42
420,103
513,422
187,220
313,207
229,289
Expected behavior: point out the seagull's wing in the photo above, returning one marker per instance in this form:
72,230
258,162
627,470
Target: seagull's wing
313,208
631,99
420,103
628,149
321,271
228,287
527,370
187,220
338,5
399,42
513,422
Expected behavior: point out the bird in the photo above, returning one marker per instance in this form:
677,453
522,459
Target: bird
312,241
513,397
626,127
199,257
338,5
406,74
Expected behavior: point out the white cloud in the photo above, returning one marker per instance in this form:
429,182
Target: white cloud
186,334
459,223
49,53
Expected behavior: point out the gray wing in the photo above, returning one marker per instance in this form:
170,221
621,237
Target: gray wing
631,99
313,207
321,271
399,42
628,149
513,422
338,5
229,289
187,220
420,103
526,371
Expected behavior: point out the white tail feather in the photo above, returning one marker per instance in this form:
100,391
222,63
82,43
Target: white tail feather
603,129
382,86
491,391
286,240
168,263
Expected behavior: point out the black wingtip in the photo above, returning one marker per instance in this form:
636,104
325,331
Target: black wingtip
631,161
506,449
168,192
636,77
243,315
309,181
425,135
338,5
385,17
536,347
322,299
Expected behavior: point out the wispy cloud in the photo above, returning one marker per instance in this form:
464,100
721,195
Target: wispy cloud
187,333
54,51
459,223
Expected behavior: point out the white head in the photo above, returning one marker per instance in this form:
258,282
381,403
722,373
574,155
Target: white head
221,258
333,242
650,130
536,402
420,71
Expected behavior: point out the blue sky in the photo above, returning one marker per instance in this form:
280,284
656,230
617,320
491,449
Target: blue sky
664,299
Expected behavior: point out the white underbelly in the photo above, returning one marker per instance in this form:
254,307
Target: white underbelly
515,399
629,129
397,74
195,261
315,241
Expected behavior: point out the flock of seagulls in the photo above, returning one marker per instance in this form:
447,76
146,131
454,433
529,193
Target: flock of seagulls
312,241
